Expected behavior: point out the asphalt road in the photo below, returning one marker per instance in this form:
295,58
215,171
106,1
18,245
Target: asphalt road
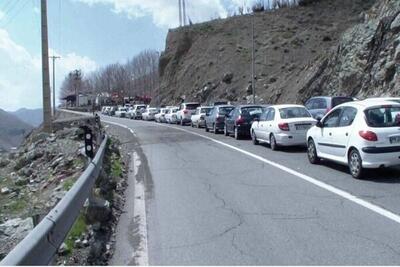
210,204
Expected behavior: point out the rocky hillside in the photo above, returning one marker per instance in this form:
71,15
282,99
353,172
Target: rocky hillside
367,60
12,130
33,117
212,60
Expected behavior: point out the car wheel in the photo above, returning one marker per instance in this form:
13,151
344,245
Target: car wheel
236,132
206,128
312,152
226,133
182,123
272,143
355,164
198,124
191,124
254,138
215,129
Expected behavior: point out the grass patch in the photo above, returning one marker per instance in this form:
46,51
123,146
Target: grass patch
116,166
68,184
76,232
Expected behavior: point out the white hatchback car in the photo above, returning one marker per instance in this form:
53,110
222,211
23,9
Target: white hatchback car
361,134
149,114
197,118
282,125
171,116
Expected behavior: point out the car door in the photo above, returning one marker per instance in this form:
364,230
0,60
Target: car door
269,123
258,125
341,133
209,118
325,141
230,120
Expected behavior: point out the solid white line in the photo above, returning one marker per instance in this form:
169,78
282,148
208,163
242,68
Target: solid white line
372,207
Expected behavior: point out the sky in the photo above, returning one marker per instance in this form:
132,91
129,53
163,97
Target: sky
86,34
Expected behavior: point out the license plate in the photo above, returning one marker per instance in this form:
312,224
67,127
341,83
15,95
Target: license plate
303,126
394,139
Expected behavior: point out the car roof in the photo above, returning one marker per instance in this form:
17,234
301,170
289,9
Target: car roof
369,103
224,106
287,106
205,107
249,105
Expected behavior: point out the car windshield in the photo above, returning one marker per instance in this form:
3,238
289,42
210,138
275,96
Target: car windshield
205,110
294,112
385,116
340,100
192,106
225,110
252,111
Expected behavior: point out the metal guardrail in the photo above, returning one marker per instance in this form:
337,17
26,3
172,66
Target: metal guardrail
42,243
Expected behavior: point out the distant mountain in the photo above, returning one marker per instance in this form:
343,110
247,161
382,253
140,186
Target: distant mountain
33,117
12,130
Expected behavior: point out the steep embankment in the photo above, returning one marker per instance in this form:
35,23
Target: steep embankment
367,60
212,60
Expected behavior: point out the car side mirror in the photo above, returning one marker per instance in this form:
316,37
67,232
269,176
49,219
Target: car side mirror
319,123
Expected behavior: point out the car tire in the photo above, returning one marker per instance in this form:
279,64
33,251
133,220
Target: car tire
226,133
355,164
312,152
206,128
236,133
272,143
215,129
198,124
191,124
254,138
182,122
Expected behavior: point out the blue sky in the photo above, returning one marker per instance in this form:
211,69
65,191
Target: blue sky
87,34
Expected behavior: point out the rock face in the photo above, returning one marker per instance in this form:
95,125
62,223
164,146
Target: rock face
212,61
13,231
367,60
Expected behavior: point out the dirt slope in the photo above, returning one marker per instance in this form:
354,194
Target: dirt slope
212,60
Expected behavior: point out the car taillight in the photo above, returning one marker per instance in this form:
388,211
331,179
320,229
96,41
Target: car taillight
283,126
185,111
240,120
368,135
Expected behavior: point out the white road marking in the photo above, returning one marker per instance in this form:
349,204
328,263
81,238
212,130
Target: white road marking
139,213
372,207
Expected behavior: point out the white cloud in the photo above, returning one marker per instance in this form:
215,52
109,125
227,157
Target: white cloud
164,12
21,77
2,15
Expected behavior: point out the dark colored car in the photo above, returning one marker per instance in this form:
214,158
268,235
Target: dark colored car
111,111
320,105
238,121
215,118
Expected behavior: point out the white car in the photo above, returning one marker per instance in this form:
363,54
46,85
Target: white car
170,116
149,114
121,112
136,111
186,110
197,118
282,125
362,134
160,117
393,99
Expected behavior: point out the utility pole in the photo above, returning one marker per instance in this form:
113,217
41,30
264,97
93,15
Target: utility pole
253,83
45,70
184,12
54,84
77,76
180,13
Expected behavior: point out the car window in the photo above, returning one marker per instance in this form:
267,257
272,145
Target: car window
191,106
332,119
225,110
309,104
263,116
385,116
294,112
340,100
205,110
271,115
347,117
